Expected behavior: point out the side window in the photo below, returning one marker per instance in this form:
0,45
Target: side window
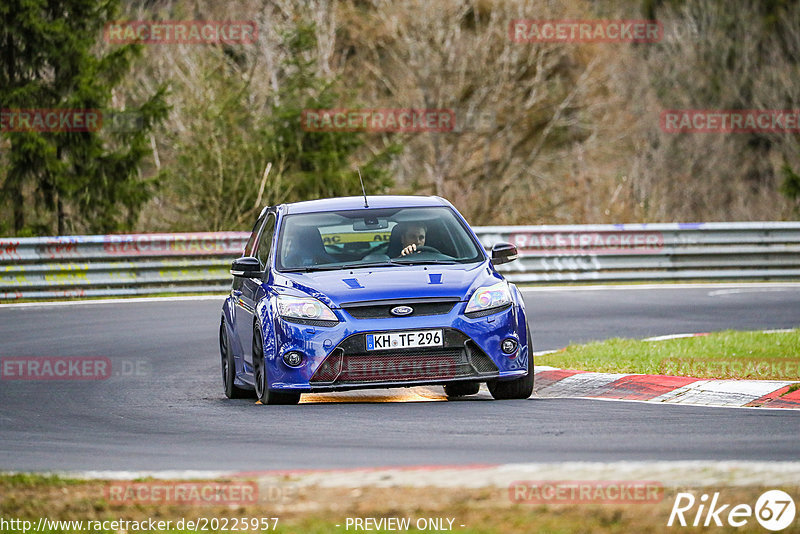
265,241
251,242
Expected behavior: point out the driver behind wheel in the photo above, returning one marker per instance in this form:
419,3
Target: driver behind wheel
413,237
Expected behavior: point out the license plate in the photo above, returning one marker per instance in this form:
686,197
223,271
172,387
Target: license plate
404,340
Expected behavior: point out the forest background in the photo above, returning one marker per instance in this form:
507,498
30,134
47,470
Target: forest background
546,133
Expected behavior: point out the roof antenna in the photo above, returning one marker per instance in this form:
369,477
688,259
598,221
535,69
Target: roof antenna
362,187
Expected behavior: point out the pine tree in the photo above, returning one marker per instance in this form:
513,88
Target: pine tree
63,181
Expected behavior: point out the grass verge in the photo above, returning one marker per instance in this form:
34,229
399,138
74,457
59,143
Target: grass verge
728,354
312,509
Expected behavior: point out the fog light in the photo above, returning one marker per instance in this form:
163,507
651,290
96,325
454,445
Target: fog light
293,358
509,345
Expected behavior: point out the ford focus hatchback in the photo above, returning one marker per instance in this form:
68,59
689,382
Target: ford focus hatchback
371,292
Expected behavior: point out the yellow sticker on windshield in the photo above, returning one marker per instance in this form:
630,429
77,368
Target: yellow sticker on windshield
355,237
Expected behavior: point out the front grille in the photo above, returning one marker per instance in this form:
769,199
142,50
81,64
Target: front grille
410,365
480,361
331,368
350,363
381,309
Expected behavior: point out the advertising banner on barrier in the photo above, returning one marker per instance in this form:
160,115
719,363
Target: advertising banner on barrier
580,243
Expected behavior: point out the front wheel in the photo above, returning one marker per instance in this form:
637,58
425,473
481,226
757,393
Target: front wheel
261,376
521,388
232,391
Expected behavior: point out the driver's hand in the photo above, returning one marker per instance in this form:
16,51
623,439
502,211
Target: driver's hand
409,249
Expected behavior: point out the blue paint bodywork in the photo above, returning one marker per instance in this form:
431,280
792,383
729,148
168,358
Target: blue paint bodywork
256,308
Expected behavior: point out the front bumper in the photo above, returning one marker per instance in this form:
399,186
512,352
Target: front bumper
335,358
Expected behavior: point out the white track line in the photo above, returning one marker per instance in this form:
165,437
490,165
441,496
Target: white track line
674,336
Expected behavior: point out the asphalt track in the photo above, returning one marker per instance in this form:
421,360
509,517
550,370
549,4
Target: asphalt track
163,406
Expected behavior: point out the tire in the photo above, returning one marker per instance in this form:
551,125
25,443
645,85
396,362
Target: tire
461,389
521,388
232,391
261,376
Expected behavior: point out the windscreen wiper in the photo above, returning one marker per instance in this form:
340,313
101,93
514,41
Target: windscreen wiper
385,263
336,267
311,268
425,262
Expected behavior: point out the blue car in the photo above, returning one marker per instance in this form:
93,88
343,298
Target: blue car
371,292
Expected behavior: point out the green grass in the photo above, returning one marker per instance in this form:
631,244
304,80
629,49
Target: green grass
729,354
34,480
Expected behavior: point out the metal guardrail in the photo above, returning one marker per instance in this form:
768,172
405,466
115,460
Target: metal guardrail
146,264
117,265
650,252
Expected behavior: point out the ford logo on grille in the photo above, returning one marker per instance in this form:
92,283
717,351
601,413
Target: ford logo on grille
401,310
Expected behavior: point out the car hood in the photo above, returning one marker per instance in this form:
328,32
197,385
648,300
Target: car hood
335,288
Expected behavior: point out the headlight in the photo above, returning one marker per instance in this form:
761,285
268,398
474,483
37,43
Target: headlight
307,308
486,299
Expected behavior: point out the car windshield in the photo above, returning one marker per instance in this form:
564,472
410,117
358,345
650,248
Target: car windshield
374,238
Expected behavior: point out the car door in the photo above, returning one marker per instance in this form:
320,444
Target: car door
251,291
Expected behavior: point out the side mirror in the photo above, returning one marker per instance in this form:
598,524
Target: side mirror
246,267
503,253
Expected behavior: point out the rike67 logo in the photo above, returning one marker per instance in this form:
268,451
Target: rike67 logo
774,510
